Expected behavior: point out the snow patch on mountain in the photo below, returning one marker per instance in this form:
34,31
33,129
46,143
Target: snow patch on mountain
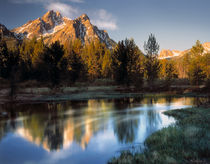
176,53
166,54
54,30
52,26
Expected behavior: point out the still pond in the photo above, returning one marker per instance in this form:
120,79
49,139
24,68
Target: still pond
88,131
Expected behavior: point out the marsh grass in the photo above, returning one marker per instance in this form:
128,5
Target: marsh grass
188,141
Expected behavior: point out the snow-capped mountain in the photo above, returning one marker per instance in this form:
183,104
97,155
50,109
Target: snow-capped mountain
166,54
52,27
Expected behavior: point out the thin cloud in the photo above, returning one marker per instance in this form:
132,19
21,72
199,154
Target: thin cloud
76,1
56,5
101,18
105,20
106,24
64,9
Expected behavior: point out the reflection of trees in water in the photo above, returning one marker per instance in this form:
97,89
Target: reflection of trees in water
3,130
198,101
45,129
7,122
92,120
76,104
169,100
47,123
150,101
42,125
54,133
126,129
121,104
153,120
125,123
125,103
51,126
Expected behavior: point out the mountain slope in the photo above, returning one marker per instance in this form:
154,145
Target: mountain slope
5,33
166,54
8,36
52,27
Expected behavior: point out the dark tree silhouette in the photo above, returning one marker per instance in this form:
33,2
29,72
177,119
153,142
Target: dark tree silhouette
126,63
4,60
52,58
152,65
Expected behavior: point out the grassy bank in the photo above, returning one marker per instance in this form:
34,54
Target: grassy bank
188,141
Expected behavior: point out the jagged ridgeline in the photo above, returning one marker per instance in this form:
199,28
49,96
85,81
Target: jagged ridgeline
54,27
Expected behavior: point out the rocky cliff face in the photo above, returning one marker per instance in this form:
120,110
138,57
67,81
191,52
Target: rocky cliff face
5,33
166,54
8,36
52,27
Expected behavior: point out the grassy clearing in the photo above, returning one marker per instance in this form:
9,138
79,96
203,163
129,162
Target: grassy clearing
188,141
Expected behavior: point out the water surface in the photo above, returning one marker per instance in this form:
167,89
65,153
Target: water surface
89,131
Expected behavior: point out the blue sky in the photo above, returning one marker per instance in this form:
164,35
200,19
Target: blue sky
177,24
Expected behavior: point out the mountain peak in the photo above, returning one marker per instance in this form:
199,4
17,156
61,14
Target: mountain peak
52,27
52,16
51,13
84,17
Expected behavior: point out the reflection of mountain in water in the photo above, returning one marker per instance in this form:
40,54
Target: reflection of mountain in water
57,126
60,127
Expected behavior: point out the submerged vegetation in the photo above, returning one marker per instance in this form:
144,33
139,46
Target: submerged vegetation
185,142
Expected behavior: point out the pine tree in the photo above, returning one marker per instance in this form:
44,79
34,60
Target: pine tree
106,65
37,53
92,56
196,74
126,63
152,65
119,64
197,49
72,66
170,73
52,59
4,60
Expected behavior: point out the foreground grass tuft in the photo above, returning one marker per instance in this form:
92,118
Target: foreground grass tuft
188,141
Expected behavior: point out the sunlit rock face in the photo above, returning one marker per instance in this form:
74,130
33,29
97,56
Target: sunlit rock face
52,27
167,54
206,46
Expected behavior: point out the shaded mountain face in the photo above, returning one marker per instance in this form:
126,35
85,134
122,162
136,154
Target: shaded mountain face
8,36
5,33
52,27
167,54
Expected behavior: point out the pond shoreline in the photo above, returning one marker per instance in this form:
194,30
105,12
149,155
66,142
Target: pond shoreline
39,95
185,142
86,124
